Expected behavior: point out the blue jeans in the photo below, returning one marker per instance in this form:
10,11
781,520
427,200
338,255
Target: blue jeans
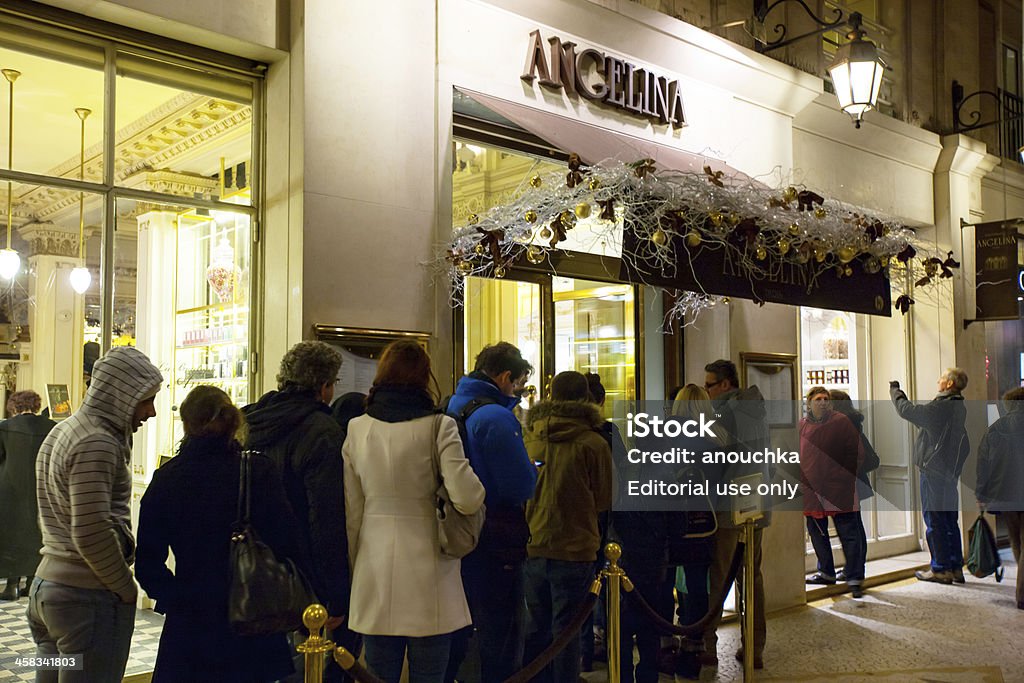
850,528
93,623
940,507
554,591
428,657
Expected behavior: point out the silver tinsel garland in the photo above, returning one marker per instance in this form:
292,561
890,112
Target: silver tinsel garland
764,229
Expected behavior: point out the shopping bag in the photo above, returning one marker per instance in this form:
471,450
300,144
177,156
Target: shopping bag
983,558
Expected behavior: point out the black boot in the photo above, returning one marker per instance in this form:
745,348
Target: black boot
23,592
11,592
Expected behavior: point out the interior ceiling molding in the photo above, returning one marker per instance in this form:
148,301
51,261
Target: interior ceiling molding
141,156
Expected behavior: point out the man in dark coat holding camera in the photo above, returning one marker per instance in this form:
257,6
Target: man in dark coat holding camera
940,452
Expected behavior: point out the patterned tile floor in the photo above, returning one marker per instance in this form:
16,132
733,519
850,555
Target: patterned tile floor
16,641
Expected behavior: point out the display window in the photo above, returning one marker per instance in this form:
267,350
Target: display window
130,181
569,316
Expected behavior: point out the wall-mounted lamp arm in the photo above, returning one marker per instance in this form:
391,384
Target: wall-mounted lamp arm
974,121
762,8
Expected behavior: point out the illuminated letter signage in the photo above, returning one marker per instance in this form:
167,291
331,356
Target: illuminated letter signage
603,78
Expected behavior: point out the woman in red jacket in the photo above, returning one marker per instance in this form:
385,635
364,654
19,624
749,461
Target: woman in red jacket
830,457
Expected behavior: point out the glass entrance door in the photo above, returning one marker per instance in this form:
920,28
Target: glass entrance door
558,323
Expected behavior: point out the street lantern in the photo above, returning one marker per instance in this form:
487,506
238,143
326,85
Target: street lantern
857,72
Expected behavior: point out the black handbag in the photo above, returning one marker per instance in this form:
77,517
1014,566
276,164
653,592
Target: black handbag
267,595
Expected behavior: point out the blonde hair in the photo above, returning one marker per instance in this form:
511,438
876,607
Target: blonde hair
693,400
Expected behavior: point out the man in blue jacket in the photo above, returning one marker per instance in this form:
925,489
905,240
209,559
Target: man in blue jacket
492,574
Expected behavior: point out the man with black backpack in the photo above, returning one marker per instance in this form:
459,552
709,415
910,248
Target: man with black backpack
492,574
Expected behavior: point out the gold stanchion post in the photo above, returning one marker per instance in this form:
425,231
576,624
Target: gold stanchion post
316,646
617,580
748,600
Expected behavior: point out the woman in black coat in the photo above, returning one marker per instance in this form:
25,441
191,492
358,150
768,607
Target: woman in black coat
189,508
20,438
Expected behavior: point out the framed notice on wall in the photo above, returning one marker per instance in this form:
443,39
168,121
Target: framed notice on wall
360,348
775,375
59,400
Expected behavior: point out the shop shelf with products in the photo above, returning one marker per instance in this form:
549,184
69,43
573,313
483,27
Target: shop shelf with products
827,346
211,302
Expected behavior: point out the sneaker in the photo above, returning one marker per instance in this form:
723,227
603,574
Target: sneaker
857,590
935,577
819,579
958,575
758,659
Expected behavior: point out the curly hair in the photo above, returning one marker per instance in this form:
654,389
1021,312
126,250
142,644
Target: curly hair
23,402
309,365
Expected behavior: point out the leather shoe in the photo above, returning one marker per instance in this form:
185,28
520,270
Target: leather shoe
10,593
841,575
819,579
758,659
958,575
857,590
935,577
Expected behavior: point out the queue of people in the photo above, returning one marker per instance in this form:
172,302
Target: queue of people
347,493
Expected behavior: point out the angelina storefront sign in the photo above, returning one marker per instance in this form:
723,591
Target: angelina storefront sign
998,275
604,78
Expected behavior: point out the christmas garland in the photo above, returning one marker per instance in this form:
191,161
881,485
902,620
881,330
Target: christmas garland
763,229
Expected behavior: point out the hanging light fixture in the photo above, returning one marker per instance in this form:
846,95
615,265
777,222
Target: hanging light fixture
856,72
10,262
80,276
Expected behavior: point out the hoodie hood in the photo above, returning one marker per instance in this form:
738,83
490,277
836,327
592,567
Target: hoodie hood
121,379
278,414
563,420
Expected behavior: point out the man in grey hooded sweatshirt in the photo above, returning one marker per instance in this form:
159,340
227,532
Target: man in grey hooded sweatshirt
82,601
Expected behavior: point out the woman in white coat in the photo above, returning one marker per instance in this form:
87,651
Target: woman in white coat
406,596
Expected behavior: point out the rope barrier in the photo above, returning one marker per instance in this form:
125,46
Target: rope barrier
696,629
316,645
558,644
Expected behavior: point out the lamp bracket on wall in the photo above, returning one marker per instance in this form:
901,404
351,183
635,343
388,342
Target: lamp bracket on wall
973,121
762,8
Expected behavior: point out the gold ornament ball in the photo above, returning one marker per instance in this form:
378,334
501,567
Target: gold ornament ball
500,271
473,219
784,246
465,267
479,249
716,219
819,254
693,238
847,271
789,194
725,300
883,261
593,184
535,254
659,237
820,212
536,181
530,216
582,210
545,233
567,219
872,266
794,229
801,257
761,253
734,219
846,254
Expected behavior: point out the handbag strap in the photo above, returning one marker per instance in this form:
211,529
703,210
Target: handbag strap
244,498
434,455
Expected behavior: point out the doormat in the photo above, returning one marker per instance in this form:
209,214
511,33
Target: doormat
951,674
